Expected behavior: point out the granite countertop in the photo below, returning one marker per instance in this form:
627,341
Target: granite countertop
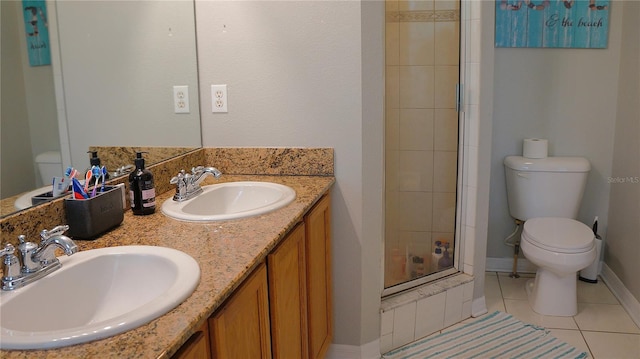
226,251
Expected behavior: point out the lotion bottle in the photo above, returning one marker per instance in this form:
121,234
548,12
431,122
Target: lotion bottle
142,191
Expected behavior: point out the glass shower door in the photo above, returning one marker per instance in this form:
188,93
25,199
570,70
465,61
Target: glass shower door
421,140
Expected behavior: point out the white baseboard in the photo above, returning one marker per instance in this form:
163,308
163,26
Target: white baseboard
506,265
478,307
627,300
369,350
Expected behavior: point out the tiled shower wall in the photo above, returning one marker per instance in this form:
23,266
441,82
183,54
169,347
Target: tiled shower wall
422,69
421,311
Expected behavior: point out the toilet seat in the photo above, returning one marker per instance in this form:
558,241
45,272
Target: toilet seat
563,235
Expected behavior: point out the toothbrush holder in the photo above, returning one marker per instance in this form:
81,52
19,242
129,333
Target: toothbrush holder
89,218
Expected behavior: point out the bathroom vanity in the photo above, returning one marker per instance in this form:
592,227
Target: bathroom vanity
265,283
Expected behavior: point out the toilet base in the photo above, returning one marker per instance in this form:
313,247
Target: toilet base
551,294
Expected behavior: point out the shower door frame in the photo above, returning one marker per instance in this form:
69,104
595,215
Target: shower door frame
461,201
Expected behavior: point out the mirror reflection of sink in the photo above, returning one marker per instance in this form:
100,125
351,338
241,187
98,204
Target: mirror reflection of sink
231,200
24,201
96,294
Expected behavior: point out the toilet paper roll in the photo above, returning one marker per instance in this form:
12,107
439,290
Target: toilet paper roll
534,148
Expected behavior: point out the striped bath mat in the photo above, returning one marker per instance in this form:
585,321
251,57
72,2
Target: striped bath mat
496,335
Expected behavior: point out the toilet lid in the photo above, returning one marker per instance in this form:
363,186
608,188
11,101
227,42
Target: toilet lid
556,234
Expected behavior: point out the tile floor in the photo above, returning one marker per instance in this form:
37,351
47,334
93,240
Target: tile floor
602,327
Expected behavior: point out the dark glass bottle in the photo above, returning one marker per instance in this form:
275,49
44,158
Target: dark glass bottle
142,190
94,160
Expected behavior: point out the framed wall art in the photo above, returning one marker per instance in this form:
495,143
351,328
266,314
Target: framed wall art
37,32
552,23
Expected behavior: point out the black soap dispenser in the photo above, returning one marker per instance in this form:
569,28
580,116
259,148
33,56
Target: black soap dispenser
94,161
142,191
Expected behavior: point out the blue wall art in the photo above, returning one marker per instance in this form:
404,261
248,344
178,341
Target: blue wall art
37,30
552,23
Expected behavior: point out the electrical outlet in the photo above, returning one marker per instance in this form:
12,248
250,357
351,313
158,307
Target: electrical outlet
219,98
181,99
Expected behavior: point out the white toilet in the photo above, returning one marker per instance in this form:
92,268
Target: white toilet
546,194
49,165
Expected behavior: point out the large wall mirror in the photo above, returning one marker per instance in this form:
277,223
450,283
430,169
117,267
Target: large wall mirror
110,83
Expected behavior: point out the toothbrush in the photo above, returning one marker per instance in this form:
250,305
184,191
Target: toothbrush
95,170
104,176
71,174
87,179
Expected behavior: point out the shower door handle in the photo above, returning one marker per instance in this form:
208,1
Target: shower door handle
458,97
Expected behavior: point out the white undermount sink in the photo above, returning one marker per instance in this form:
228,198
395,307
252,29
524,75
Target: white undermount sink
96,294
231,200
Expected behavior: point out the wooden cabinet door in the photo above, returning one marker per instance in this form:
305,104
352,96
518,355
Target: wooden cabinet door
240,330
197,347
286,267
319,307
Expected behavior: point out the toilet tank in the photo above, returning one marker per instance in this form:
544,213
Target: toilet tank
546,187
49,165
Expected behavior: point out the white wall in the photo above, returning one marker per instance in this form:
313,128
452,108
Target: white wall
623,237
294,72
568,96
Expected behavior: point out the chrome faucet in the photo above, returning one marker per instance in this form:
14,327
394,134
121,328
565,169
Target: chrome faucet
37,260
188,184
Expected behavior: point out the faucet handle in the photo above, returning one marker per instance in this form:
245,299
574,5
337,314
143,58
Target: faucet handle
177,178
55,231
11,268
197,170
8,249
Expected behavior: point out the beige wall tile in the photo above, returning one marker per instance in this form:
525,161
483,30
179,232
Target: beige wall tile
391,218
415,171
415,5
447,5
445,130
392,129
415,211
444,171
417,85
446,78
416,129
447,49
391,5
392,87
392,160
417,43
392,43
444,212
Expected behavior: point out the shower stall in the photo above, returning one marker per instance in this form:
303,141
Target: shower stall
422,141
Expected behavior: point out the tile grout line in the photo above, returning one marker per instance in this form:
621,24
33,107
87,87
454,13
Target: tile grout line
578,329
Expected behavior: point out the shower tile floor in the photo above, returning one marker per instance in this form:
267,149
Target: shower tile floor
602,328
